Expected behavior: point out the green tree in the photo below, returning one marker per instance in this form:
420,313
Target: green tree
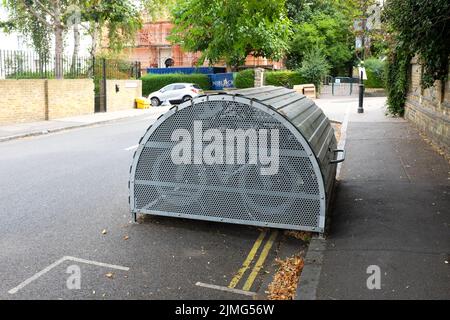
120,19
231,30
314,66
41,20
326,24
34,31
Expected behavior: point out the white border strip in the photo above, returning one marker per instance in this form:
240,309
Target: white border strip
100,264
58,262
131,148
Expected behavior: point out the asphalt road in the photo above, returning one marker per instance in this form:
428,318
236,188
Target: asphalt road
59,191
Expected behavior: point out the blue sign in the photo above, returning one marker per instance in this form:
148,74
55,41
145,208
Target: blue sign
221,80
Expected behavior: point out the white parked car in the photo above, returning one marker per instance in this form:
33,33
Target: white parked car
175,93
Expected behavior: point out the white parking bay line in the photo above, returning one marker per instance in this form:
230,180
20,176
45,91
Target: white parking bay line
132,147
100,264
58,262
37,275
226,289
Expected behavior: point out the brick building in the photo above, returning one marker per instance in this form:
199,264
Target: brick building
152,49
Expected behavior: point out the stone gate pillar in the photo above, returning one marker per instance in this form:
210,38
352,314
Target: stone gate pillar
259,77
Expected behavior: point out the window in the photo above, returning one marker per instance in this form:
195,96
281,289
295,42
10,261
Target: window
179,86
167,88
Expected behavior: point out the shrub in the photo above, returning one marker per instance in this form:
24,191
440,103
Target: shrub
245,79
283,78
154,82
375,73
314,67
31,75
396,80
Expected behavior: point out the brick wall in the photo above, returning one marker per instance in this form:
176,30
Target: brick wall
70,97
429,109
123,99
38,100
22,101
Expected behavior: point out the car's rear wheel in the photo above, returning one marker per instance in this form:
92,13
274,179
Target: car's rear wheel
186,98
155,101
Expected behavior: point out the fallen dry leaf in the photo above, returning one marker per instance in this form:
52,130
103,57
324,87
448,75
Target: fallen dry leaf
109,275
302,235
104,231
284,283
126,238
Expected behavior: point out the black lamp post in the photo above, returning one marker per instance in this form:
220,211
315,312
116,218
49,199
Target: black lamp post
361,73
361,93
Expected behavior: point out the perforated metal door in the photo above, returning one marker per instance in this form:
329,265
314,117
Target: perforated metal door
237,193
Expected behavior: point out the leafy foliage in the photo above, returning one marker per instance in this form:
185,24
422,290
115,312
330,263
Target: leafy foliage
423,29
38,20
245,79
397,80
415,28
121,20
154,82
375,73
314,67
299,11
33,30
325,24
231,30
283,78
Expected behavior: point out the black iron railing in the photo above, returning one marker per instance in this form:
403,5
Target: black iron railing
18,64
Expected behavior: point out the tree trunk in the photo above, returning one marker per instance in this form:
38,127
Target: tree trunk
76,48
94,36
59,44
59,72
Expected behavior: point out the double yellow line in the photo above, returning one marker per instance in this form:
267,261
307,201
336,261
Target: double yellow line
259,263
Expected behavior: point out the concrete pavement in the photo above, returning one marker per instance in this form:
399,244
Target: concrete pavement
392,212
21,130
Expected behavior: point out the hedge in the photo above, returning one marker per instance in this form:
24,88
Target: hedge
373,80
375,71
283,78
154,82
245,79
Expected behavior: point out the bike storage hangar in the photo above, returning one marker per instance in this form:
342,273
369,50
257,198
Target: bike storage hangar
281,177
